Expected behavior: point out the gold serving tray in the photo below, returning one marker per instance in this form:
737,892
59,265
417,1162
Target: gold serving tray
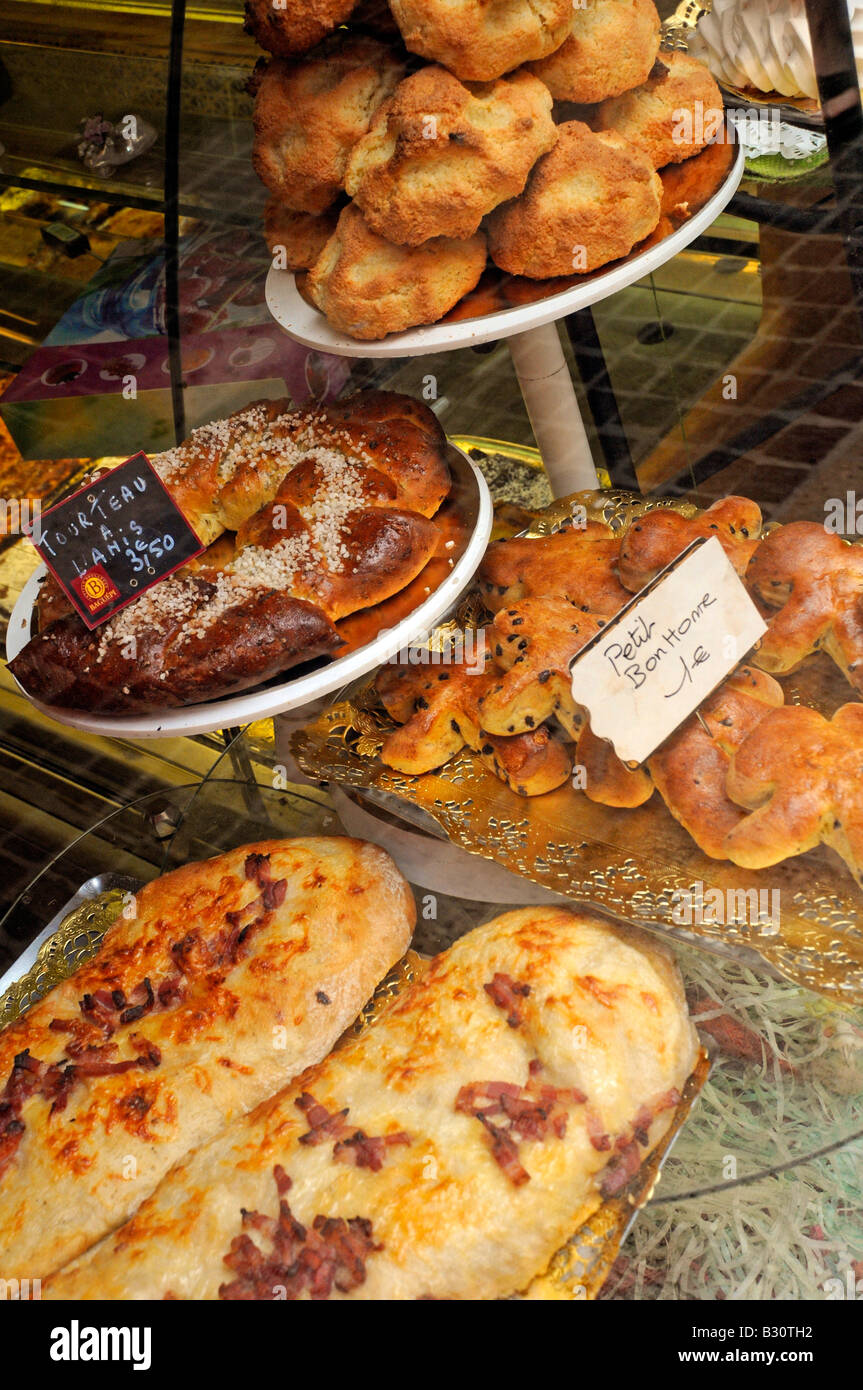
576,1272
629,863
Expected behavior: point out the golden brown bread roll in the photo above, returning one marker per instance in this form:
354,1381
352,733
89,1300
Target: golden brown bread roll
578,563
220,982
587,202
309,114
607,779
479,40
368,287
294,26
439,154
296,239
691,768
611,46
535,642
448,1152
798,776
658,537
672,115
815,579
439,710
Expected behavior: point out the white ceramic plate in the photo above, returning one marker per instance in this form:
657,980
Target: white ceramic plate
287,694
309,327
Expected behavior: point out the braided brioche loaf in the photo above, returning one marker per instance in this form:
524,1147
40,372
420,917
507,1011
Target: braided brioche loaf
332,512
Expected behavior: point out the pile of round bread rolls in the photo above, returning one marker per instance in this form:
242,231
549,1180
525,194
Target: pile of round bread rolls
404,148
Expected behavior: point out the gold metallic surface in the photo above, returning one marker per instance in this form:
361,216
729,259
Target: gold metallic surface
74,942
677,28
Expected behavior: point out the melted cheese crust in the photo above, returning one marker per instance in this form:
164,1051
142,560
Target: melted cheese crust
605,1014
237,1035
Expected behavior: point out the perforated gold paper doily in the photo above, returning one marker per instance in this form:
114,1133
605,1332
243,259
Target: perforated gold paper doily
74,942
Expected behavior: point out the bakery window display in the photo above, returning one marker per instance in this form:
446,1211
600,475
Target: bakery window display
507,138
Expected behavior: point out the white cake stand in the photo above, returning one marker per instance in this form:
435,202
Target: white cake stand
531,331
288,693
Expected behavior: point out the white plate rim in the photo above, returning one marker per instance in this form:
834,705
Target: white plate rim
309,327
246,707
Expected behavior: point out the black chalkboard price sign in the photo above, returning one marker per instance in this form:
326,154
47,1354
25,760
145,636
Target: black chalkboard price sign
114,538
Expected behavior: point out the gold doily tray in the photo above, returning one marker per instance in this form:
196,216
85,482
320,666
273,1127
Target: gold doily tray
576,1272
628,863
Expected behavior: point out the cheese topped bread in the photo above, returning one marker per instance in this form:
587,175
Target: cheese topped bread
222,981
446,1152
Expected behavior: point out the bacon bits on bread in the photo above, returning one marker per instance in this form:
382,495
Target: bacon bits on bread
479,40
368,287
224,980
440,154
611,46
587,202
447,1152
309,114
672,115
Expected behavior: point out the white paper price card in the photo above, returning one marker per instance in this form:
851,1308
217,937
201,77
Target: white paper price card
664,653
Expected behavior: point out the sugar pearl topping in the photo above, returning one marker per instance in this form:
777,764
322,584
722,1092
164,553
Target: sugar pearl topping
180,608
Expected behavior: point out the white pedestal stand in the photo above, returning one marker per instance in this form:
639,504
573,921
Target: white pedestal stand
553,410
